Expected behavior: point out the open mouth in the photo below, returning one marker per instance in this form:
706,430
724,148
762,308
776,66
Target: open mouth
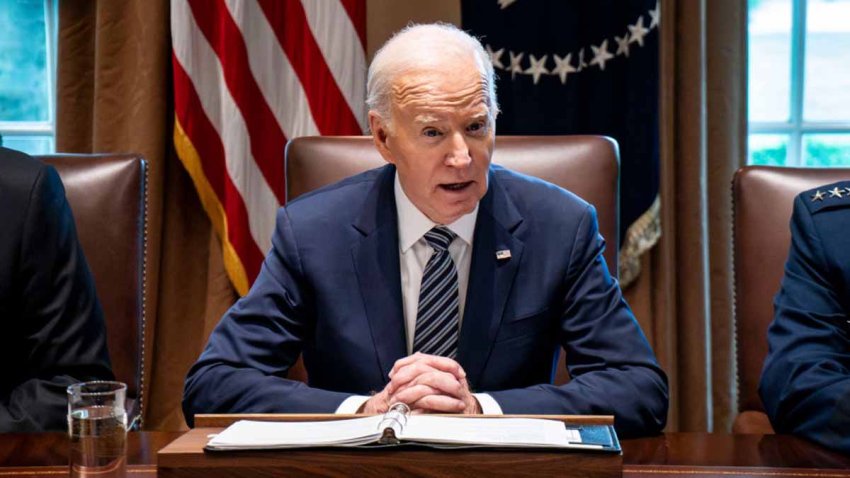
454,187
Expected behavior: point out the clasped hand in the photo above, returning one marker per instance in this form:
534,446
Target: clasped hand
427,384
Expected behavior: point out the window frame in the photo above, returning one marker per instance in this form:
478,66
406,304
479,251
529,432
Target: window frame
796,127
17,129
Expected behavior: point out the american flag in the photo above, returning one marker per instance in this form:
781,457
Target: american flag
248,76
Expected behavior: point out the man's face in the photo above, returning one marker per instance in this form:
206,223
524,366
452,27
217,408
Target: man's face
440,140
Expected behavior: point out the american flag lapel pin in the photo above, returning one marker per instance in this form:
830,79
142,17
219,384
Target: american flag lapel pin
503,255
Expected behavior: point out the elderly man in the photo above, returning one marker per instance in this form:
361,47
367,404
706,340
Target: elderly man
434,276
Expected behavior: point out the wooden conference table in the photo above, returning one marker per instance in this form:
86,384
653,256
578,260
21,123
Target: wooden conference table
671,454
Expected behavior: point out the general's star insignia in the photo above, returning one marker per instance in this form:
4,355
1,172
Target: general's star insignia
835,192
818,196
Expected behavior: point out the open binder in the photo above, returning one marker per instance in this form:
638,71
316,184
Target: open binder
399,427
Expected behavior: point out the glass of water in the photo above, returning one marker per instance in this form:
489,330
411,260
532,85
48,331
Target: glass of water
97,427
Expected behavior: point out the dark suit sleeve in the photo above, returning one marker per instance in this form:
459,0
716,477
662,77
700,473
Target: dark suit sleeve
61,325
805,384
244,366
613,368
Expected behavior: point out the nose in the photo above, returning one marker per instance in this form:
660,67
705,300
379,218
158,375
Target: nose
459,155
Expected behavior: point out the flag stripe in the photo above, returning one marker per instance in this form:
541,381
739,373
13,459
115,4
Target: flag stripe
207,144
204,70
266,139
247,76
327,103
273,72
332,28
356,10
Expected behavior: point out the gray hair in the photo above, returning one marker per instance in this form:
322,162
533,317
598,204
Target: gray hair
411,47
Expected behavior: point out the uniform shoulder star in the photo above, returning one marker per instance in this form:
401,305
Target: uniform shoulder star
601,55
515,66
835,192
563,67
638,31
537,68
818,196
496,57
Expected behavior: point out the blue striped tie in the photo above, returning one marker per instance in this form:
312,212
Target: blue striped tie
437,317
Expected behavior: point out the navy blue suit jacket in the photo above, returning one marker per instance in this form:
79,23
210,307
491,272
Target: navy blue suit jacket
805,384
330,289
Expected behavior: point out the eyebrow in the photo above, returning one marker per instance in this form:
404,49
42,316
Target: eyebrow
425,118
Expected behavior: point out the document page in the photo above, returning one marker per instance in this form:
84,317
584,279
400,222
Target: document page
523,432
247,434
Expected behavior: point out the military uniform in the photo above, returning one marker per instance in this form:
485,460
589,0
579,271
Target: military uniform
805,384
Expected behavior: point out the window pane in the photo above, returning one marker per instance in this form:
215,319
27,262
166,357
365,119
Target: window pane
767,149
24,85
29,144
769,60
826,150
827,83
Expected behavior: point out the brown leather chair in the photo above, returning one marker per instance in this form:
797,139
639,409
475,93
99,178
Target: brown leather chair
762,204
586,165
108,196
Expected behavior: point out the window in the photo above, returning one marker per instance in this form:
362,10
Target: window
28,75
799,82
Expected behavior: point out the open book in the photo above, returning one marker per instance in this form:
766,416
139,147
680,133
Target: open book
398,426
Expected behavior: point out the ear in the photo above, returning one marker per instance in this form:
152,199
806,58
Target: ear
380,136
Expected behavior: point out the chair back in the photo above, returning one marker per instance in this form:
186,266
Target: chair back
763,198
586,165
108,197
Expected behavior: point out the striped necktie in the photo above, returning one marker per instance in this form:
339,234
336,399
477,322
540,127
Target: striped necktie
437,317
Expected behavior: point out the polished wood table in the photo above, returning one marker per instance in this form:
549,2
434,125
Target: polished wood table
694,455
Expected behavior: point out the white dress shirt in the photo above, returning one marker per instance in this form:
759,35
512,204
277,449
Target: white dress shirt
414,253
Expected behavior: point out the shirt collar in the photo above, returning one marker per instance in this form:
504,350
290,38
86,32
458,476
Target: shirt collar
413,224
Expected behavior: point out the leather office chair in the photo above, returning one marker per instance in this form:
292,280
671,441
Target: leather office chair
586,165
108,196
763,200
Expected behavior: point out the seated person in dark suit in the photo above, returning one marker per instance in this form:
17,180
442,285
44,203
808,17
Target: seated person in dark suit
805,384
434,276
53,328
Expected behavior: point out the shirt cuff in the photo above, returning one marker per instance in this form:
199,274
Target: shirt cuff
489,406
351,404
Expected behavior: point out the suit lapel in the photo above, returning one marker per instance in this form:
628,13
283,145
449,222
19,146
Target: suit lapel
376,263
490,278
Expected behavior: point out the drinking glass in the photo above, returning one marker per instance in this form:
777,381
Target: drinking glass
97,427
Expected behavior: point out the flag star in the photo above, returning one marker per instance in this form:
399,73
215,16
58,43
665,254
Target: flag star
818,196
601,55
847,191
537,68
622,45
515,63
503,4
563,67
655,15
638,31
581,63
835,192
496,57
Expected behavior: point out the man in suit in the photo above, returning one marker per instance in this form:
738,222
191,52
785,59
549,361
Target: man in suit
53,328
805,384
434,276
